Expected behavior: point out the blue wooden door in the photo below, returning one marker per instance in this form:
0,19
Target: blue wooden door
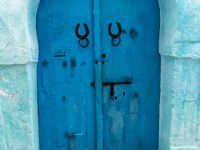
75,114
130,119
65,70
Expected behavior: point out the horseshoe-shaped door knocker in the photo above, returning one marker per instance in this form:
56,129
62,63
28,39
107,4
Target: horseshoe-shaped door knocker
82,37
114,36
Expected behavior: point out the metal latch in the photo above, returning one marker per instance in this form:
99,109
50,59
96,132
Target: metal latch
112,86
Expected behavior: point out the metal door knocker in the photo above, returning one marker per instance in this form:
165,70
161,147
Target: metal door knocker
114,36
82,37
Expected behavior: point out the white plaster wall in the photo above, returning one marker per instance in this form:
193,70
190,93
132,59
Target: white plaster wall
18,79
18,44
180,28
180,75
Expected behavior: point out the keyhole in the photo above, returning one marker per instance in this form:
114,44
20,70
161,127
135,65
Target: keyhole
112,91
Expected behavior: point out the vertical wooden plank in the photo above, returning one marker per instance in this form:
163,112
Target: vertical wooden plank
127,116
81,11
68,111
98,79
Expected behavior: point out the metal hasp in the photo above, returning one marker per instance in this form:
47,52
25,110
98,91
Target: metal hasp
112,86
82,37
114,36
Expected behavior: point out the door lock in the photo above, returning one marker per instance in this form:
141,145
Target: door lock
112,86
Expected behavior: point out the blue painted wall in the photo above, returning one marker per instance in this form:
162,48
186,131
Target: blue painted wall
180,50
18,78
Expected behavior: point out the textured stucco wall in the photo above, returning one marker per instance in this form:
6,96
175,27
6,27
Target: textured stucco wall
180,75
18,44
18,85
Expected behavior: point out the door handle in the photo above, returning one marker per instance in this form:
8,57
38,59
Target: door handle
82,37
112,86
114,36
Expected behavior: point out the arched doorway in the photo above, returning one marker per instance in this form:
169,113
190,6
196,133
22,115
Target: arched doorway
68,113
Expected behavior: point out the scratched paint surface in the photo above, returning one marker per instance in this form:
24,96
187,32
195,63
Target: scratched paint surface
65,70
131,118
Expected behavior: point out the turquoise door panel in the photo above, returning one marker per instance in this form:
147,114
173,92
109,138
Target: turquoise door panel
130,119
121,111
118,60
65,70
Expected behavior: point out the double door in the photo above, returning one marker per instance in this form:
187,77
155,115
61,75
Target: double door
98,83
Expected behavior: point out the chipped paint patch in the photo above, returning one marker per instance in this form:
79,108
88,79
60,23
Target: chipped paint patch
13,94
3,93
36,112
20,103
75,105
